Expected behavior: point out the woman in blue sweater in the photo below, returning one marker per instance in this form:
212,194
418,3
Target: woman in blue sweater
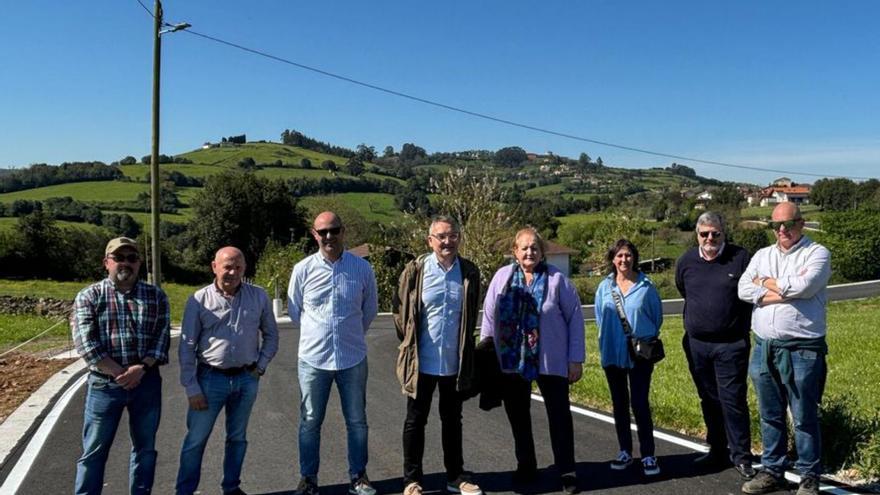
628,380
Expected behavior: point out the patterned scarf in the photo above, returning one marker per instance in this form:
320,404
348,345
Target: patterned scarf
519,315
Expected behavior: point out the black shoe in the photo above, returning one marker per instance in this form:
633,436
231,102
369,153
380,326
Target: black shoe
569,484
306,486
237,491
524,476
808,486
764,482
746,470
711,460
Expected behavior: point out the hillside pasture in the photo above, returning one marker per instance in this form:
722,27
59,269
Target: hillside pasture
375,207
87,192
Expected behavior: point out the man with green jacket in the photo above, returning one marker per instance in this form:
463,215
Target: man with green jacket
435,314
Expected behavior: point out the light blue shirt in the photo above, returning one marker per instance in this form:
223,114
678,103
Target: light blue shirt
643,310
333,304
441,316
225,332
802,275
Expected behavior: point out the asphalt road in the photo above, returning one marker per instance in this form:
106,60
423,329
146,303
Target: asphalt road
271,466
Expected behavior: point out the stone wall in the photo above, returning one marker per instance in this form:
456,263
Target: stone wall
44,306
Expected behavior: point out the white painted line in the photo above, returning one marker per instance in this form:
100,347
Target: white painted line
19,472
688,444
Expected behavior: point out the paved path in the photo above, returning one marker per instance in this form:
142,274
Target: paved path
272,465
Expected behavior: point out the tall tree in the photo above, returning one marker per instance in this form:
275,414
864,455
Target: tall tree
245,211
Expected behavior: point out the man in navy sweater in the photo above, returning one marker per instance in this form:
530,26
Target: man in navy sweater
716,342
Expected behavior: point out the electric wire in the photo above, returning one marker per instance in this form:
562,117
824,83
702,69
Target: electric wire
493,118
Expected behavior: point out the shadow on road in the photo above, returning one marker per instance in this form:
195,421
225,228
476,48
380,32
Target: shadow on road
591,476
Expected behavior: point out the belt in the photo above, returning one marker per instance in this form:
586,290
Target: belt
229,371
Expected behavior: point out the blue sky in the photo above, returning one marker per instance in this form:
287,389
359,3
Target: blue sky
779,85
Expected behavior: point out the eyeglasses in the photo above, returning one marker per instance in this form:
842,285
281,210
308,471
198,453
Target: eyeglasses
453,237
324,232
788,224
119,258
714,233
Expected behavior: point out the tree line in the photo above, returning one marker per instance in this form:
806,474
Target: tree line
41,175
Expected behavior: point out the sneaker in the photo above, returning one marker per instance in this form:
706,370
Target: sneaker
237,491
307,486
649,465
463,486
361,486
624,459
745,470
413,489
569,484
763,482
809,486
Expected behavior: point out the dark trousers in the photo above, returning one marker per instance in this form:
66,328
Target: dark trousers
720,373
417,411
517,399
632,386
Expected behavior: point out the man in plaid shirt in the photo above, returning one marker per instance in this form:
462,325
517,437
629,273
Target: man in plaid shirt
121,328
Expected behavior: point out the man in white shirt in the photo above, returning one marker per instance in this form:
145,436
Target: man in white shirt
787,284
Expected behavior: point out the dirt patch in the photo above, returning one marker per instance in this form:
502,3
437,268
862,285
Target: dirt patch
21,375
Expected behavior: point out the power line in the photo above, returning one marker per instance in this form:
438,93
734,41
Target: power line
505,121
145,8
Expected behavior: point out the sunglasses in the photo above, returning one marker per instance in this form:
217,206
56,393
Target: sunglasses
788,224
332,231
119,258
714,233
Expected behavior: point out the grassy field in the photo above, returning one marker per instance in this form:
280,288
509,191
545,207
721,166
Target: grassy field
763,212
7,223
139,172
851,337
377,207
260,152
81,191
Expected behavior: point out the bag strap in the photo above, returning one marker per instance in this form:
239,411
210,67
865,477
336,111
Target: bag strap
618,302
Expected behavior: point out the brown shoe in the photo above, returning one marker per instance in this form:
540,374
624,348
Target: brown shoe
463,486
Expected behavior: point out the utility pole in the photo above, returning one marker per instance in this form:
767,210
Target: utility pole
156,255
154,156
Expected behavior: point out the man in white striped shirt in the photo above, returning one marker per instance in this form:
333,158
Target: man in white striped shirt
332,299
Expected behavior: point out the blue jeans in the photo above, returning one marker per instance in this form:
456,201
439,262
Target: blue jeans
105,401
314,386
803,399
237,394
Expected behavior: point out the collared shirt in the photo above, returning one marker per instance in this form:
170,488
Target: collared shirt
706,258
333,304
802,275
226,332
442,293
127,327
643,310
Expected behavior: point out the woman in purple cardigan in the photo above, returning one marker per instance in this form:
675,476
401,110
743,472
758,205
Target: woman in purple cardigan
533,313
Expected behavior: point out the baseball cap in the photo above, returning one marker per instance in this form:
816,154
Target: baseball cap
120,242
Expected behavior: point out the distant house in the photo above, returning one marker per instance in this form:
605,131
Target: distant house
206,146
560,257
796,194
365,250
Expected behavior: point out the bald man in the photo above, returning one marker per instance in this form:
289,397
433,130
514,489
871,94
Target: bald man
228,338
787,283
332,300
